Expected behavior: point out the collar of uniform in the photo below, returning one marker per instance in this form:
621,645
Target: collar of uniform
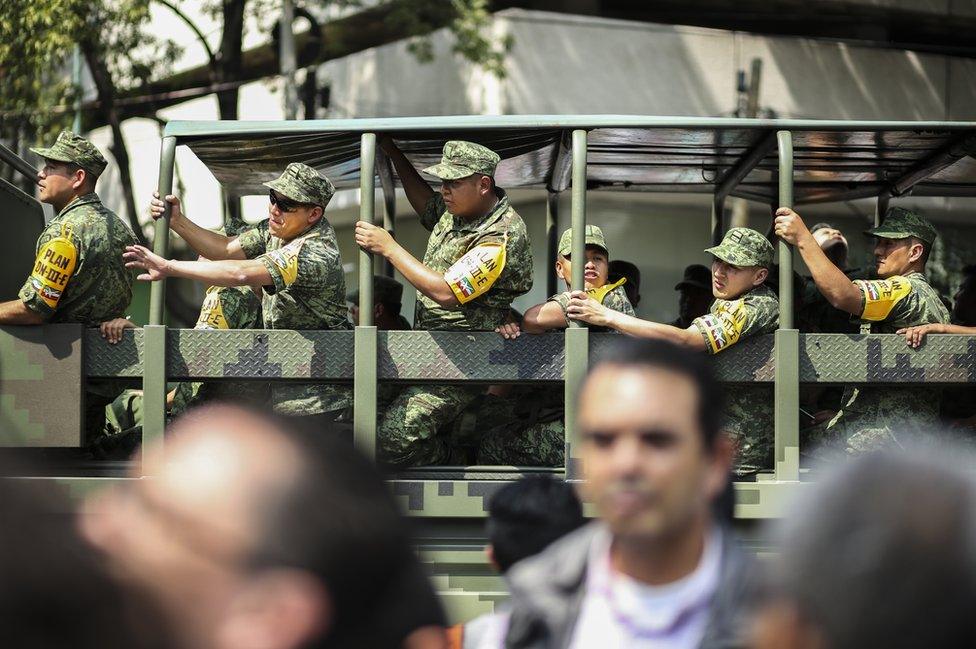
490,217
918,275
78,201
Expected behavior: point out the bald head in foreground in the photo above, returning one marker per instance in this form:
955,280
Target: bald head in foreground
253,533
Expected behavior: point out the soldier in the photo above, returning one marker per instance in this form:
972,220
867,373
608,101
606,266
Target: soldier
816,314
293,255
477,261
525,426
743,307
78,275
694,295
902,297
620,268
387,302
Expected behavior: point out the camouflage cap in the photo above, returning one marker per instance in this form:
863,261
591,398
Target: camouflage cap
744,247
386,290
74,148
461,159
900,223
594,237
303,184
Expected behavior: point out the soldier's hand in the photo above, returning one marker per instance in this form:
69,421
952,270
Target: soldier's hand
373,239
509,330
585,308
143,258
157,207
915,336
112,330
789,226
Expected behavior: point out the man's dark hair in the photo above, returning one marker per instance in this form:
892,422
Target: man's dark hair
336,519
660,355
525,516
619,268
882,553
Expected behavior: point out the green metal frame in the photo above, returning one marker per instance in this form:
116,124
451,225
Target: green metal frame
791,354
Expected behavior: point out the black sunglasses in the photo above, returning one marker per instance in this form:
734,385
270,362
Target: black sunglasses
284,204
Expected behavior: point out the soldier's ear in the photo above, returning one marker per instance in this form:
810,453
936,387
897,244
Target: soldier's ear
916,250
315,214
79,179
761,276
559,269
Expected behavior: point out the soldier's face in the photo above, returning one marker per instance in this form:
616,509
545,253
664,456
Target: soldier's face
895,256
287,220
595,272
693,302
56,184
646,466
729,282
466,197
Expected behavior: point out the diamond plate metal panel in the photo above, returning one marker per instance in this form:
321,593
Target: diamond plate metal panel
441,356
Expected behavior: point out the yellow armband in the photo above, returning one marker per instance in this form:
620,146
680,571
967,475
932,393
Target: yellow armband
723,328
285,260
881,295
600,294
53,267
212,311
473,274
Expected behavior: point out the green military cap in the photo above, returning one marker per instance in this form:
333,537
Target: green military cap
74,148
744,247
900,223
594,237
461,159
303,184
386,290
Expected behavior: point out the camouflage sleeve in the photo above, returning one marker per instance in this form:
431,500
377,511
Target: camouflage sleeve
618,301
883,299
307,263
562,299
433,211
229,307
254,240
59,253
735,320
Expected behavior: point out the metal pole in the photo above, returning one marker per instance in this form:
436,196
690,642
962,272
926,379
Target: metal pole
881,208
167,160
786,390
385,169
552,235
718,219
288,58
576,336
18,163
364,378
154,334
76,82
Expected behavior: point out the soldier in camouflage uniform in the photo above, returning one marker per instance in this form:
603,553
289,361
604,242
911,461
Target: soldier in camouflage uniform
477,261
743,307
293,255
78,275
525,427
901,297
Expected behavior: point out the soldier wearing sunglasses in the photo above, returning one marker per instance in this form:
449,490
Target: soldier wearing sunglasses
293,255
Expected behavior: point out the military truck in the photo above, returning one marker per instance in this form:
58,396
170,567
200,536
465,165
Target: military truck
772,162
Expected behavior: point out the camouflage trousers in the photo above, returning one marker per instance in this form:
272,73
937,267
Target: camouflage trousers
872,418
415,429
523,429
748,420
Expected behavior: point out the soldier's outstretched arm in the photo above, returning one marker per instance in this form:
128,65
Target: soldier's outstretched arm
585,308
228,272
429,282
206,243
831,281
417,189
15,312
543,317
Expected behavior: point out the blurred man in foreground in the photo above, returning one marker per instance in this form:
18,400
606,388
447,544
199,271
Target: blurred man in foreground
253,534
524,518
882,554
657,570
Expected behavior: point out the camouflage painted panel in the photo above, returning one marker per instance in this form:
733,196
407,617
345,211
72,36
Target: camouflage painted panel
40,386
457,356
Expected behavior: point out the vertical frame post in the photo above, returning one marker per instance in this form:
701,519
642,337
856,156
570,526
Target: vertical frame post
552,235
787,379
718,219
385,169
154,334
364,374
576,335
